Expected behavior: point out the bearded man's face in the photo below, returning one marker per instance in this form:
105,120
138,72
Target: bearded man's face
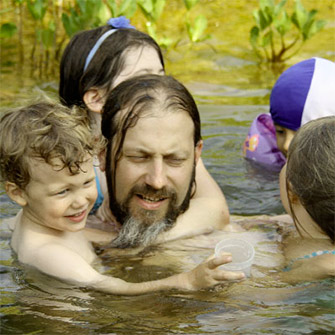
154,176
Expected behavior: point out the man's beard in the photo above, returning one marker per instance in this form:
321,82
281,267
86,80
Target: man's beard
142,227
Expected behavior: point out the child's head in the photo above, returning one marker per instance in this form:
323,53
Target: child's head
302,93
125,52
43,131
46,164
310,175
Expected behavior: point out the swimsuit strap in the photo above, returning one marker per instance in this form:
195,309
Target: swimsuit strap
313,254
100,197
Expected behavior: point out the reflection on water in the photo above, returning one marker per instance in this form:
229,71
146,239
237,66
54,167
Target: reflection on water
249,189
36,304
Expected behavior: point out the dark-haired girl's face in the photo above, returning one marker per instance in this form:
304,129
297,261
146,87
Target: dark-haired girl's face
139,61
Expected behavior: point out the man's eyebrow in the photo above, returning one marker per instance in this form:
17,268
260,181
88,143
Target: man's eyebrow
130,151
148,152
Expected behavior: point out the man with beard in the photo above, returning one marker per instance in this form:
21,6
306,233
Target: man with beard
152,127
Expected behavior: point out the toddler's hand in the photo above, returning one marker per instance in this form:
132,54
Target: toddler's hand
207,274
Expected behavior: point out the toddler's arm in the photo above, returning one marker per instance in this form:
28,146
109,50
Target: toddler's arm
69,266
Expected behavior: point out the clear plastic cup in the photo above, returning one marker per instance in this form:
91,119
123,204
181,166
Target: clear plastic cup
242,252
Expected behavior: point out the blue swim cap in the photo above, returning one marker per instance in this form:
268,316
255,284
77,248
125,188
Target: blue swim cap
304,92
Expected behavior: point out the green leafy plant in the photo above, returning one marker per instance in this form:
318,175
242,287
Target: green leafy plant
274,38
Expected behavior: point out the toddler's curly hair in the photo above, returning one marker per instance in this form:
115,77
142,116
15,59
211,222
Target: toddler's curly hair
44,131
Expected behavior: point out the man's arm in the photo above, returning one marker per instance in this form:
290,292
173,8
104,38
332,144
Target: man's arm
206,185
202,217
207,188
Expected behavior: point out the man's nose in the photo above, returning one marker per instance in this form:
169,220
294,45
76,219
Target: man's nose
156,175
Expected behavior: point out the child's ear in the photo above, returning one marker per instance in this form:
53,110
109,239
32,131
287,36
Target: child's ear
292,197
198,150
94,99
16,193
102,160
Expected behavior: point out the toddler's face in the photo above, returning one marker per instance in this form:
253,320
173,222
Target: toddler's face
58,199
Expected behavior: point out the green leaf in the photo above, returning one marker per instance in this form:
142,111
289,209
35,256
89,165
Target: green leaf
165,42
7,30
37,8
263,4
112,7
254,35
263,21
283,24
308,24
189,4
268,13
82,5
70,25
266,40
255,14
151,30
152,9
279,7
158,9
315,28
127,8
146,6
300,15
200,24
102,16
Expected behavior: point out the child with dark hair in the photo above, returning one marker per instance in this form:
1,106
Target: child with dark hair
307,188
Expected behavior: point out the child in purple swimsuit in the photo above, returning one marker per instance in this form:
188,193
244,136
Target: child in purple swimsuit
307,189
303,92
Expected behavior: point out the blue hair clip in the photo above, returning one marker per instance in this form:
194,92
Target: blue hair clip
120,22
116,23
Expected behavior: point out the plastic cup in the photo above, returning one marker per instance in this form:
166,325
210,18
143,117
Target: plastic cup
242,252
